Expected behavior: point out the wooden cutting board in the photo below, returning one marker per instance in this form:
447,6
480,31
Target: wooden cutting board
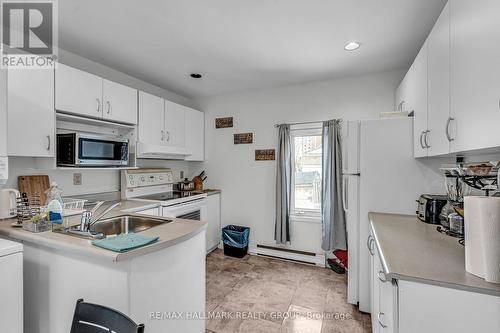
34,184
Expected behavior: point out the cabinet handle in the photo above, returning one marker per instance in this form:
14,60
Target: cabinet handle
162,135
421,140
426,137
109,107
380,314
48,142
98,104
448,135
381,276
369,243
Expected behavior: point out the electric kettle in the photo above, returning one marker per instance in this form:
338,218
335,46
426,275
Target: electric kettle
8,203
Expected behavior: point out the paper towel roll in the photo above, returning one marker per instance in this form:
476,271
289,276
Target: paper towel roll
474,262
482,237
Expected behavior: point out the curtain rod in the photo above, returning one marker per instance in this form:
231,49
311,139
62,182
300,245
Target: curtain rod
305,122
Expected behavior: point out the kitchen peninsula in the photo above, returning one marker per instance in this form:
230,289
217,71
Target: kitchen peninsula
166,276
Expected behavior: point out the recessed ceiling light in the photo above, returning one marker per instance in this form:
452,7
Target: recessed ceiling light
351,46
195,75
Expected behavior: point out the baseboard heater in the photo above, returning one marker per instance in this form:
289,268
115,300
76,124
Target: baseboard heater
303,257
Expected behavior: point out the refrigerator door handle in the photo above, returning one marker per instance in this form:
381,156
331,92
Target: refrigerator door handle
344,194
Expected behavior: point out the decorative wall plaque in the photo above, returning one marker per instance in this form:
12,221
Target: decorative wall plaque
265,155
224,122
243,138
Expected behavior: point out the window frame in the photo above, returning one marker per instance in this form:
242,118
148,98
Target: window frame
301,214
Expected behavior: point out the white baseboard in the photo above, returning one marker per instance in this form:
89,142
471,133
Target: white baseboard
317,259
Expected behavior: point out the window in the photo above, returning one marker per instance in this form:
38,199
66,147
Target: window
306,172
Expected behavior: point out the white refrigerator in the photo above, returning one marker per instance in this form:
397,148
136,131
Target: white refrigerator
380,174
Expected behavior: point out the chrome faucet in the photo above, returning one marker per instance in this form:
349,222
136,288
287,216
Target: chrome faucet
87,221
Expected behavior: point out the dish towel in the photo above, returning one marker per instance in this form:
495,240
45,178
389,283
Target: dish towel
125,242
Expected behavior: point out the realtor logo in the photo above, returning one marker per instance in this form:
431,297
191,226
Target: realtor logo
29,34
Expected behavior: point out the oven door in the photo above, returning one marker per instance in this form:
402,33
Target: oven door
102,151
191,210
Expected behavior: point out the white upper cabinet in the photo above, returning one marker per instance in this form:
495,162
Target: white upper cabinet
438,50
421,133
120,102
175,123
78,92
195,135
151,119
88,95
475,74
30,112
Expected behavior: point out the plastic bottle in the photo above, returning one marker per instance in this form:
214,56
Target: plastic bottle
55,205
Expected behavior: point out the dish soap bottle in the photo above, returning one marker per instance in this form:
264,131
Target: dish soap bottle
55,206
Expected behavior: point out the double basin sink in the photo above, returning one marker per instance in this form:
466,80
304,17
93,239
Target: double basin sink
117,225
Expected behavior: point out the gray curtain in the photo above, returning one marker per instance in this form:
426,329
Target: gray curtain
283,185
332,214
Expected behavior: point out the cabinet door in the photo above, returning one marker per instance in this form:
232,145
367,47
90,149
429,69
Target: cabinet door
120,102
30,112
386,304
214,222
175,123
433,309
438,48
374,284
403,93
11,282
195,135
475,74
420,103
78,92
151,119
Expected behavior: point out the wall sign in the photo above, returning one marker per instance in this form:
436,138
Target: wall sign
243,138
224,122
265,155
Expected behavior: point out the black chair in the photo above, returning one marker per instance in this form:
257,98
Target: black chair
93,318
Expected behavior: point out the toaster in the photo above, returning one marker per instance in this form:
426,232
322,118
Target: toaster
430,206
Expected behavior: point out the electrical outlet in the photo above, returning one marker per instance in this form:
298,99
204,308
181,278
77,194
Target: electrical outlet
77,179
181,175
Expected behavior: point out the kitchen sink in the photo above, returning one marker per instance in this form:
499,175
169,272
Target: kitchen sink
125,224
122,224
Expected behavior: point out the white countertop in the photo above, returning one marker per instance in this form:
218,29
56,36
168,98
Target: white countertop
413,250
170,234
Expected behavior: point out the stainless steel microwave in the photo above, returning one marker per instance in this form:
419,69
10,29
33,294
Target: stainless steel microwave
91,150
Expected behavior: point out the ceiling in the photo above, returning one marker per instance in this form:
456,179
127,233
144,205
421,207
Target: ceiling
245,44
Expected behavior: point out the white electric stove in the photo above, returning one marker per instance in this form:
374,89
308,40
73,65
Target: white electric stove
157,185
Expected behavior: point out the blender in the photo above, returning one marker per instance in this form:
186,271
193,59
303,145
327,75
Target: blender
456,189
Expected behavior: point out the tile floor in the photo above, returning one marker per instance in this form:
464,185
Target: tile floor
257,294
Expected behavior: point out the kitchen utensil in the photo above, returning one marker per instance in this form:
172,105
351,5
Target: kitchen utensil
8,203
34,184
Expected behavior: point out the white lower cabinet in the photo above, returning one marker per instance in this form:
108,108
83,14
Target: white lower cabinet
432,309
214,221
383,297
400,306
